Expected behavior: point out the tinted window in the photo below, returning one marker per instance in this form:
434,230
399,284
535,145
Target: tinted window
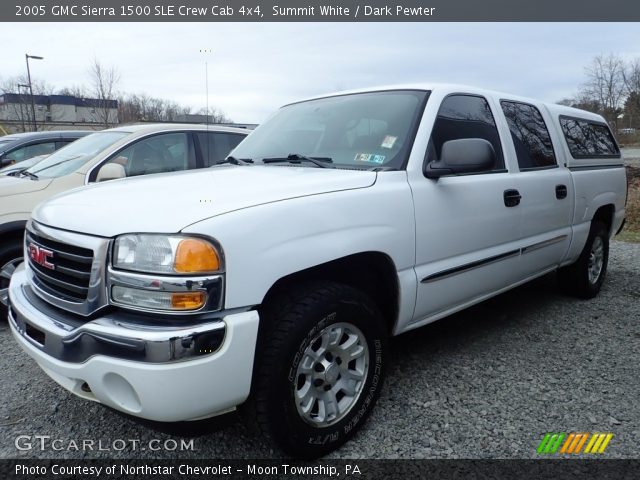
156,154
530,135
465,116
588,139
215,146
25,153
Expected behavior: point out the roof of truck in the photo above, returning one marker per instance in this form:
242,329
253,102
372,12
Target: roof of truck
459,88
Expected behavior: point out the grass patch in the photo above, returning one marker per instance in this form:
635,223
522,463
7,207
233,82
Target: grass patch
631,232
629,237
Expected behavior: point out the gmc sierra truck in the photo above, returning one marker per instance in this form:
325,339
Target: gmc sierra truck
273,281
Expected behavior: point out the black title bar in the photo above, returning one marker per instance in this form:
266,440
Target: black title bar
320,11
566,469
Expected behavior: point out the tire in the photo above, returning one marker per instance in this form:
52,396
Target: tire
584,278
10,258
306,396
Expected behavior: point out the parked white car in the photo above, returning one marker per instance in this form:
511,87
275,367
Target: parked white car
115,153
275,282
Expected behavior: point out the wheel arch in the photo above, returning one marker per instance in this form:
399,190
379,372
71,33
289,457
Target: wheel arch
12,230
605,214
373,273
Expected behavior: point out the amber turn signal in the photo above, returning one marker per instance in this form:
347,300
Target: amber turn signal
194,255
188,300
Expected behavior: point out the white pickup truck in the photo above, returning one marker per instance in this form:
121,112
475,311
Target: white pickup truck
275,280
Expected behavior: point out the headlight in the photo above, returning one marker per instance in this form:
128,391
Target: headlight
166,254
166,273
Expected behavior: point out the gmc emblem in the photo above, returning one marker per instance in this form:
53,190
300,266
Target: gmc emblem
40,256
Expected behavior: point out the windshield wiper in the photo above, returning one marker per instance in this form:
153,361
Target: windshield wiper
27,173
61,162
322,162
235,161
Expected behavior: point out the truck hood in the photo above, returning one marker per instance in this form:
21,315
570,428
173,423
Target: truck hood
19,185
170,202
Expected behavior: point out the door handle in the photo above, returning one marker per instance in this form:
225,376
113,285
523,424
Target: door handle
561,192
512,198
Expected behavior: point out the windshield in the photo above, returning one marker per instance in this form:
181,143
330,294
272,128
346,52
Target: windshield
365,130
75,155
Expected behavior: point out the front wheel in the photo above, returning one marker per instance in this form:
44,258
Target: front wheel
10,258
319,367
585,277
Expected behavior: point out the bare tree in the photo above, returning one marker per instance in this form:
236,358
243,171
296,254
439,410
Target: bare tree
78,91
605,85
142,107
631,75
104,85
215,115
632,103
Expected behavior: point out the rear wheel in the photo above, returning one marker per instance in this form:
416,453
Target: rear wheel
319,367
585,277
10,258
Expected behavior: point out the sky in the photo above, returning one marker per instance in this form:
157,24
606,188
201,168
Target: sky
253,68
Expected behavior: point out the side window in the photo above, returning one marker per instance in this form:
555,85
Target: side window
63,143
29,151
156,154
465,116
588,139
530,135
216,146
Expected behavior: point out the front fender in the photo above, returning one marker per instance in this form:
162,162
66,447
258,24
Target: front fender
265,243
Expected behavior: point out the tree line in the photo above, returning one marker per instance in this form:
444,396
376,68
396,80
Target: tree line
611,89
103,87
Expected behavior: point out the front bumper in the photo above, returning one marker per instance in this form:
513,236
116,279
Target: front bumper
160,373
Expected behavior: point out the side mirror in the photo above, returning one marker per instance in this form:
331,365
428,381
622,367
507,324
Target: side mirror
466,155
6,161
110,171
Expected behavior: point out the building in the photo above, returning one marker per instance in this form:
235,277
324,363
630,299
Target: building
56,111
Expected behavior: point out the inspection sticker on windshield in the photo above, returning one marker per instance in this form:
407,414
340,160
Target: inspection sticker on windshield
368,157
389,141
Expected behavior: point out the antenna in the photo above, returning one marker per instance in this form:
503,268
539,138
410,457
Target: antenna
206,81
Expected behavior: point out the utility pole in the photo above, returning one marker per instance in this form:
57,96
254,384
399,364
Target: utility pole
33,103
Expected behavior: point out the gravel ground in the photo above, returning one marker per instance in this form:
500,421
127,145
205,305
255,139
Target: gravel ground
485,383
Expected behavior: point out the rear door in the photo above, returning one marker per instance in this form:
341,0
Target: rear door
544,185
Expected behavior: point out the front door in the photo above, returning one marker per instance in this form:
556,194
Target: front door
467,232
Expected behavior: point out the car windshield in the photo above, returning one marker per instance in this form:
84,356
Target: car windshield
75,155
365,130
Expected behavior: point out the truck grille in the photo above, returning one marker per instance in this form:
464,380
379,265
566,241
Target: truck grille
69,272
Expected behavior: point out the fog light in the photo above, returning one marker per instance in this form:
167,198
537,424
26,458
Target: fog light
158,300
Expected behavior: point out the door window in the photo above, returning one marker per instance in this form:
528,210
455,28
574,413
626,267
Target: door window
29,151
465,116
530,135
216,146
157,154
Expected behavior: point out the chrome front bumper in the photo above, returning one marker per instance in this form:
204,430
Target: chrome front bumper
64,337
160,372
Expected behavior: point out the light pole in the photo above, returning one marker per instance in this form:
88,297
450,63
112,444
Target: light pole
23,115
33,105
